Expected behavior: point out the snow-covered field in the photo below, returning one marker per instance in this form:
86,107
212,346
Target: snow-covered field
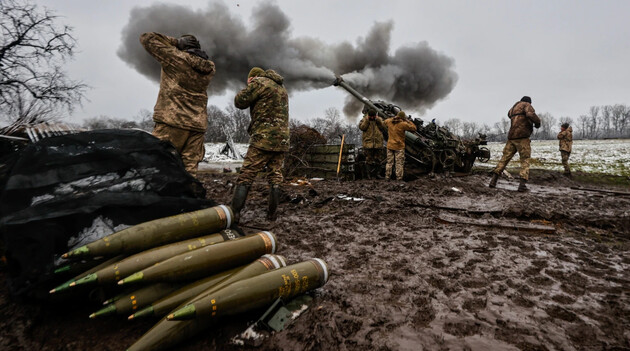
595,156
215,160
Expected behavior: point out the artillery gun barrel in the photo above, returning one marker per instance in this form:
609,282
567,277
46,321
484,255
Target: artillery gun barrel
339,82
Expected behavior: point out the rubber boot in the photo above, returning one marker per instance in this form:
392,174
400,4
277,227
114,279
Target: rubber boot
274,199
493,181
238,200
522,186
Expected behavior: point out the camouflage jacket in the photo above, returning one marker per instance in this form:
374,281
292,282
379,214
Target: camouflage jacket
566,139
184,81
372,136
523,118
268,103
396,128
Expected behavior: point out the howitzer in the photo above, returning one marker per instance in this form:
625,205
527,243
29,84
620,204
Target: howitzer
431,148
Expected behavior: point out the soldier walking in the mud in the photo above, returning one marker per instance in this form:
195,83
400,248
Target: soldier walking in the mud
565,138
268,104
180,113
372,138
396,128
523,118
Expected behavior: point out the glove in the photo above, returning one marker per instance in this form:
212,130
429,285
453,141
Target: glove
537,125
187,42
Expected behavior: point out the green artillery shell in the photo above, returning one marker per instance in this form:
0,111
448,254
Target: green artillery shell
168,303
66,285
137,299
144,259
166,334
257,291
207,260
159,232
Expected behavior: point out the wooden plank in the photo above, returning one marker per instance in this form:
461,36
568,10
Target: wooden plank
602,191
492,223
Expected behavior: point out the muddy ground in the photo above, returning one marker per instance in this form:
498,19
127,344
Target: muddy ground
404,279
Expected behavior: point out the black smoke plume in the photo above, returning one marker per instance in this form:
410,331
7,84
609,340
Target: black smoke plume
414,77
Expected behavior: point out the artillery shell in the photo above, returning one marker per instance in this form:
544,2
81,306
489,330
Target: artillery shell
207,260
66,285
158,232
168,303
257,291
137,299
166,333
144,259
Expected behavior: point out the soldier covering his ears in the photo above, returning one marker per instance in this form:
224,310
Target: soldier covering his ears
180,113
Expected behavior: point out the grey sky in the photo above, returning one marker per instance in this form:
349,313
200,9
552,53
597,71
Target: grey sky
567,55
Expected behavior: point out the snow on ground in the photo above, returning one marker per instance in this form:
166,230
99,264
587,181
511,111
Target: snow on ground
610,156
215,160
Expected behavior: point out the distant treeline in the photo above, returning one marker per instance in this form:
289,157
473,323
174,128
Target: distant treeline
601,122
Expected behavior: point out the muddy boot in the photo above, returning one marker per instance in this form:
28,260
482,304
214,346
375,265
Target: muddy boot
522,186
274,199
493,181
238,200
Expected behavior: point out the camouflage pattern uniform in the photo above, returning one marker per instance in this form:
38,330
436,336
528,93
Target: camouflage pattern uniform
396,128
565,138
180,114
523,118
372,139
268,102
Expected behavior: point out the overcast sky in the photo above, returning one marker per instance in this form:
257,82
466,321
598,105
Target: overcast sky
566,55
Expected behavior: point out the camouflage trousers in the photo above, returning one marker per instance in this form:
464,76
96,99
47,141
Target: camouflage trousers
522,146
256,160
565,160
188,143
398,157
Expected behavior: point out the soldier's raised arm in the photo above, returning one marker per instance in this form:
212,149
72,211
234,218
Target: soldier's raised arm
365,121
248,96
160,46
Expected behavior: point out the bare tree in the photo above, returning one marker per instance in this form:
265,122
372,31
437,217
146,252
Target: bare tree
33,49
454,125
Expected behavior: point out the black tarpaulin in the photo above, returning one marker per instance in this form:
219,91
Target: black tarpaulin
62,185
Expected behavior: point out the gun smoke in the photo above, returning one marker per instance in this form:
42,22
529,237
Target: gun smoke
414,77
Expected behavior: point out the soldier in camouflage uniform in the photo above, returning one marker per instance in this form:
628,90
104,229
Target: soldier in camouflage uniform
372,138
565,138
523,118
180,114
268,104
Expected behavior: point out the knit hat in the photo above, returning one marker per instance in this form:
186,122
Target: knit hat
255,72
565,125
526,99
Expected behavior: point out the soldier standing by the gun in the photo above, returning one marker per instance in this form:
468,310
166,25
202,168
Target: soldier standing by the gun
180,113
565,139
372,138
268,104
523,118
396,128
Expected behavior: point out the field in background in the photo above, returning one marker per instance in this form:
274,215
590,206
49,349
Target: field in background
610,157
592,156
